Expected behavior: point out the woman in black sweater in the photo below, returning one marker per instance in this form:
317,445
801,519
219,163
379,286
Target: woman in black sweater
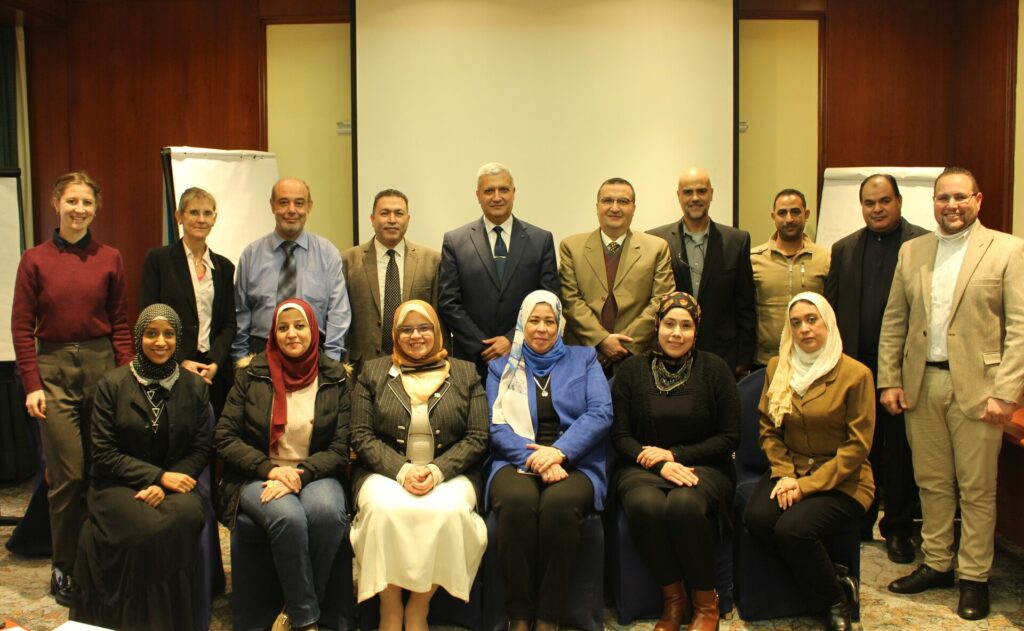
675,428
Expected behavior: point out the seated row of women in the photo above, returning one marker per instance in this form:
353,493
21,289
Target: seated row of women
428,461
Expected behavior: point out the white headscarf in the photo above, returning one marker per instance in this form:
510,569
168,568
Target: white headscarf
798,369
512,405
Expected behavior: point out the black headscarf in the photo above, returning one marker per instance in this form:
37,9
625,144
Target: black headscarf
670,372
145,371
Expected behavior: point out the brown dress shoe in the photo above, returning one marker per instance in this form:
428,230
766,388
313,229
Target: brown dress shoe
705,611
673,609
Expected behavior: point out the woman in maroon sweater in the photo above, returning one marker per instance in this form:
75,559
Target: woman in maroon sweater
69,324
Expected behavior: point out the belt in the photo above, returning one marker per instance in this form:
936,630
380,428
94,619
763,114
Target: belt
944,365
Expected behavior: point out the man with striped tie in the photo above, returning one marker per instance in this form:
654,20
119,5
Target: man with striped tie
487,267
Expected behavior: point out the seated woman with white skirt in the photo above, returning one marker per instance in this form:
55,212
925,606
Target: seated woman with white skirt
419,431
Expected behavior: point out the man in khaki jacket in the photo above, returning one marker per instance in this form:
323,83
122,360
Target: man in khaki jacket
612,278
951,356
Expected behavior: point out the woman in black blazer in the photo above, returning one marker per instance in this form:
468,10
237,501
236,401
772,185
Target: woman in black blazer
419,429
199,286
150,442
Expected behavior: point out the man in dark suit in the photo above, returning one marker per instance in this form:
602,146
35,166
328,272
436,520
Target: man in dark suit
711,261
487,267
384,272
857,286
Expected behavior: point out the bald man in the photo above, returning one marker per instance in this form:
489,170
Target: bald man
290,262
711,261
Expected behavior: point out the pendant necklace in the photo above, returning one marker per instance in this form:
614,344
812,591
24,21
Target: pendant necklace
155,408
544,387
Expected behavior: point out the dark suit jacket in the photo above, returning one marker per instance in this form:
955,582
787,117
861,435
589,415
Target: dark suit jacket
364,335
122,440
728,318
381,415
167,279
845,280
473,305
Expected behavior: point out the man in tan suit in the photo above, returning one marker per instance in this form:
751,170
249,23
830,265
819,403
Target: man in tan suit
951,356
383,273
636,266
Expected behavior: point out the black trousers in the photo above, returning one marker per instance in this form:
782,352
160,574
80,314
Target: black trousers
797,533
672,531
893,468
538,535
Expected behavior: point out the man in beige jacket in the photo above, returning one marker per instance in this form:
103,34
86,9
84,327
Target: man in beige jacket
951,356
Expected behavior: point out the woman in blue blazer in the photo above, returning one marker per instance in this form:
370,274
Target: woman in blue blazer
550,414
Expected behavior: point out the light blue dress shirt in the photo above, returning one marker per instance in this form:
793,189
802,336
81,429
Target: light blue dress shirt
319,281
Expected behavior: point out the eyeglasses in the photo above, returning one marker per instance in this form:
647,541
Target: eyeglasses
611,201
946,200
205,214
422,329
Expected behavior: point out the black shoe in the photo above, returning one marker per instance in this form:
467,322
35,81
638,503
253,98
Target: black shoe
837,618
921,579
62,588
900,549
850,585
973,600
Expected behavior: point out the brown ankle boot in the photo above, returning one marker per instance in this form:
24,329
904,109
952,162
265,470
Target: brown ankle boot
673,609
705,611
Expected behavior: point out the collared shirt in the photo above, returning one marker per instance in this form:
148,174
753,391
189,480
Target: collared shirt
382,269
63,243
696,249
506,233
203,288
949,257
319,281
777,278
621,240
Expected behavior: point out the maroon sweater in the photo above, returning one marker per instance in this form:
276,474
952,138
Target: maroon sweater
72,295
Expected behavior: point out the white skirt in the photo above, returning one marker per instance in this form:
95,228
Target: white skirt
416,541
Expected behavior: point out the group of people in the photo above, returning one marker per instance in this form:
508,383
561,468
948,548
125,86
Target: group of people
478,378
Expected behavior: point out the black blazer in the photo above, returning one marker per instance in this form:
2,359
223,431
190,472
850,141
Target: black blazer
728,319
844,281
380,423
166,278
121,435
473,305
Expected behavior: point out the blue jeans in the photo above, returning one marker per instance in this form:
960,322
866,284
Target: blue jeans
305,533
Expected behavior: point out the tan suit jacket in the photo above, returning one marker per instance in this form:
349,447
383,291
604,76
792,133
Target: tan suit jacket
419,282
986,328
644,275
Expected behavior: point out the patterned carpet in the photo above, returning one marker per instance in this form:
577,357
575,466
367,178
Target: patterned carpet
24,592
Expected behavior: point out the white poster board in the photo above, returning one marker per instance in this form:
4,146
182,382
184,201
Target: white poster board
840,199
240,181
10,256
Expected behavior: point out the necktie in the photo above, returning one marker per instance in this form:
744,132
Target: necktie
286,281
500,253
613,248
392,298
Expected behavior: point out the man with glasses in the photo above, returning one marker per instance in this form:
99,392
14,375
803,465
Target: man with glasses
612,279
383,273
290,262
711,261
487,267
951,358
784,265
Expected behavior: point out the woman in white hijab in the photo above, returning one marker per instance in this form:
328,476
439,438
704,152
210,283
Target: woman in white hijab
817,421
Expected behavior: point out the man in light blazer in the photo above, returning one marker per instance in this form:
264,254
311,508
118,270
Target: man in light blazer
612,279
711,261
951,357
366,268
487,267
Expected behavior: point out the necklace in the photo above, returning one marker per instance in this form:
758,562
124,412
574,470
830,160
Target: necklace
543,387
156,407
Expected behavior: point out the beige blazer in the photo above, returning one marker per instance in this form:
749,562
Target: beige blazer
420,282
644,275
986,329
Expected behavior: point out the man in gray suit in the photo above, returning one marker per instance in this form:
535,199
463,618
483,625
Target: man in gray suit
384,272
487,267
951,357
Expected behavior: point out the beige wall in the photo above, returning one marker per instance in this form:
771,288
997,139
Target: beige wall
778,91
308,94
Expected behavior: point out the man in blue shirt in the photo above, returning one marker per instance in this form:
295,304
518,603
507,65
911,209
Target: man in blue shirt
314,275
